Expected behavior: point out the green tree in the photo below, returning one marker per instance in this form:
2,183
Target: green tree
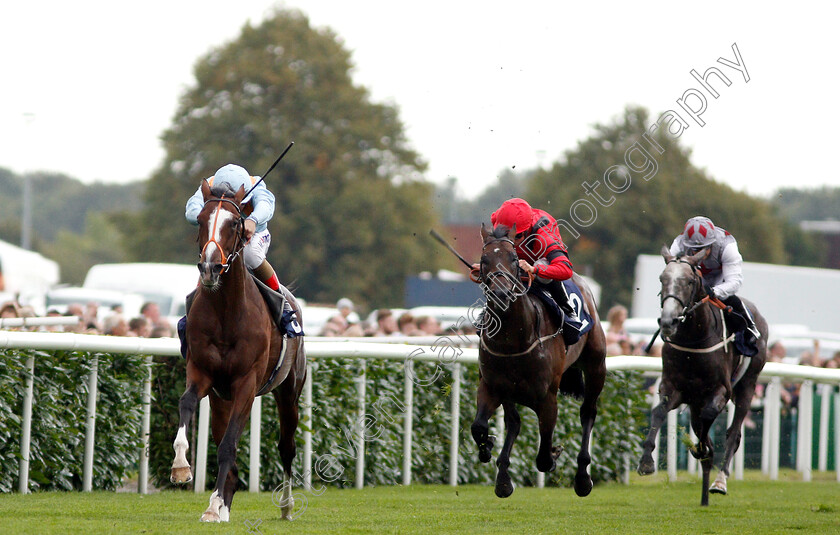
810,204
648,212
352,211
76,253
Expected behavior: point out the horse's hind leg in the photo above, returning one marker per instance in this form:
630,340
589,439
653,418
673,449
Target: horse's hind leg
702,421
547,414
486,406
670,399
287,407
197,387
742,395
504,486
595,375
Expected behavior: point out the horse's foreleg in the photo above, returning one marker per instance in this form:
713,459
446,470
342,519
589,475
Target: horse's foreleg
669,399
238,412
547,414
486,406
594,384
706,464
504,486
180,472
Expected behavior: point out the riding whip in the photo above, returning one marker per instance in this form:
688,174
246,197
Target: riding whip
439,238
270,168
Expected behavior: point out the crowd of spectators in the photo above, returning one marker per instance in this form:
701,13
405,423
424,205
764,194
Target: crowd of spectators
149,324
385,322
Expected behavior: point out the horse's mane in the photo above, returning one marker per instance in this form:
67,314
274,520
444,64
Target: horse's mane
222,190
501,231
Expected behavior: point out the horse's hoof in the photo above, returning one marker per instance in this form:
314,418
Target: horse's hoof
583,485
547,466
717,488
181,476
646,467
504,488
210,516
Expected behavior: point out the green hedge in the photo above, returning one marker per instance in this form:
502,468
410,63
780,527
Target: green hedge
59,409
335,414
61,399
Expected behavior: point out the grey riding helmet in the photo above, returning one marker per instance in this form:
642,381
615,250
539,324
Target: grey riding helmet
699,232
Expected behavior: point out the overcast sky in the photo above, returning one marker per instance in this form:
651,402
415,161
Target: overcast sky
481,86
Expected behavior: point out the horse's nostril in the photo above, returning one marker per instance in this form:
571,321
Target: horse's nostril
217,268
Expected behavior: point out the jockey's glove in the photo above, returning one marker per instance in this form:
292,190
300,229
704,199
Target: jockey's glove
709,291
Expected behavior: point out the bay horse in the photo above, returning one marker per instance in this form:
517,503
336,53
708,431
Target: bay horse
524,360
701,367
233,350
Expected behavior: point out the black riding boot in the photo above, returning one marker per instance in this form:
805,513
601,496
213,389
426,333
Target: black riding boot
558,292
182,324
742,322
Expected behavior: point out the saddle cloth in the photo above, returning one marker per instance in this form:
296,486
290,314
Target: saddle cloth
573,328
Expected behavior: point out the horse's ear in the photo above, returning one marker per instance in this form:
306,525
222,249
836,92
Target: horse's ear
666,254
698,257
484,232
512,232
205,189
240,194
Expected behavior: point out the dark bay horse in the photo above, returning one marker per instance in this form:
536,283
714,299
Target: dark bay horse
523,360
233,348
701,367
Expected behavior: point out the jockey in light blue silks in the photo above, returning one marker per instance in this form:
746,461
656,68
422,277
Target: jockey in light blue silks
256,225
721,268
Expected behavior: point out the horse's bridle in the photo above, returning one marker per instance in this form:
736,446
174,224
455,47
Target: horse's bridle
696,282
240,224
487,279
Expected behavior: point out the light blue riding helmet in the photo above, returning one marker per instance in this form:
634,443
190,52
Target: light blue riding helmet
236,176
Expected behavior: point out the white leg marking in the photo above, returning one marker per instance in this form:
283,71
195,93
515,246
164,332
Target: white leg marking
224,514
213,510
719,485
288,501
181,446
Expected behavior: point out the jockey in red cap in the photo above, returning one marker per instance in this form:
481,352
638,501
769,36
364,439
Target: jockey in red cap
539,246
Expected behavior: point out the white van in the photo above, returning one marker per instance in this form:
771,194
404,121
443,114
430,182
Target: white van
165,284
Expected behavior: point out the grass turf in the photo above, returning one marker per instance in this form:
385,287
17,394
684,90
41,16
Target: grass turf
649,505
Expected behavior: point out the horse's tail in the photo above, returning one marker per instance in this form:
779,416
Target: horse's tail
571,383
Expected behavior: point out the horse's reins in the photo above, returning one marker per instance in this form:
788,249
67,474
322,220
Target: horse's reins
688,310
226,261
487,279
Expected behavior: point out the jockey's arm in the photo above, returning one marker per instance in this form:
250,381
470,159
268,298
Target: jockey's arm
194,206
559,267
732,277
263,202
676,247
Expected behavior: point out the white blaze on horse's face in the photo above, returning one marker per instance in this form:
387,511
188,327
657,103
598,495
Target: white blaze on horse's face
218,220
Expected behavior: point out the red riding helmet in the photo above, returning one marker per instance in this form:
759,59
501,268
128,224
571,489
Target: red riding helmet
514,212
699,232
